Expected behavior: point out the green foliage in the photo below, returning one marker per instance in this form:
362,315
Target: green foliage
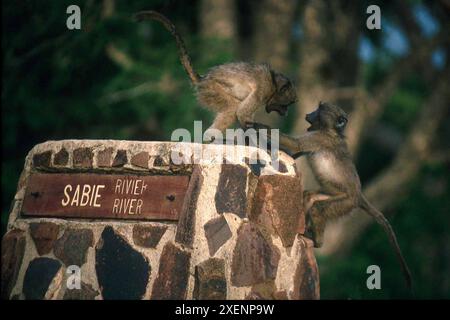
404,105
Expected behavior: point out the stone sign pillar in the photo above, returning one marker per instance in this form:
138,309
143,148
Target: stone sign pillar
102,219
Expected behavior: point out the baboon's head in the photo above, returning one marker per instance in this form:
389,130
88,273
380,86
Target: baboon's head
327,117
283,96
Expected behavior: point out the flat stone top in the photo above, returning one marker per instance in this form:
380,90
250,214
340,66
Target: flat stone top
141,155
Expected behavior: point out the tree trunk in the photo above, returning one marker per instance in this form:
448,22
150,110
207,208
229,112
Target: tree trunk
218,19
273,31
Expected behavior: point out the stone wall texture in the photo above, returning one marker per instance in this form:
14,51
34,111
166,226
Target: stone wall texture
239,235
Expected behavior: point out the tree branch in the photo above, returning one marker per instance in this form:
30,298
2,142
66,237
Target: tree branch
115,54
166,84
118,56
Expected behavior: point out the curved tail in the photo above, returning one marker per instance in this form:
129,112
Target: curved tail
184,56
381,219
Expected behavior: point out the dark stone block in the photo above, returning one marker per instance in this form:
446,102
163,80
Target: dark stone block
217,233
160,162
42,160
210,281
38,277
86,292
282,167
278,206
306,278
61,158
173,274
186,222
104,157
148,236
82,158
255,260
140,160
44,235
120,159
230,195
72,247
122,272
13,248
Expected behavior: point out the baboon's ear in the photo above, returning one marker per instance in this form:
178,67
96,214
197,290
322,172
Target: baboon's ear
281,80
273,76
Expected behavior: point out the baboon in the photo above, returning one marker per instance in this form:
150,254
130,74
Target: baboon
340,187
233,90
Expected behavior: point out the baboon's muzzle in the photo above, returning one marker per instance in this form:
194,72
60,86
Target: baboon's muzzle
312,117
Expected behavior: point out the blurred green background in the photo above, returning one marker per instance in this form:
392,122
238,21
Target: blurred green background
117,79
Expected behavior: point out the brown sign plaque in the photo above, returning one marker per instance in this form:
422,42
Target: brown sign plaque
119,196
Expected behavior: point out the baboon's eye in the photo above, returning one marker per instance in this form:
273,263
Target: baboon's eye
341,122
284,88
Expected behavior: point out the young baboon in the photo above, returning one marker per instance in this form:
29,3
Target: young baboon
332,165
233,90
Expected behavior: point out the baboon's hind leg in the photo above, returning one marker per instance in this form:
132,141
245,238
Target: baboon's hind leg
321,212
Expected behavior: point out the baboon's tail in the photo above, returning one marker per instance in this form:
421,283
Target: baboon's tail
184,56
381,219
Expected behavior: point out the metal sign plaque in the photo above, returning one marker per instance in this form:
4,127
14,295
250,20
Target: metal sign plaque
119,196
